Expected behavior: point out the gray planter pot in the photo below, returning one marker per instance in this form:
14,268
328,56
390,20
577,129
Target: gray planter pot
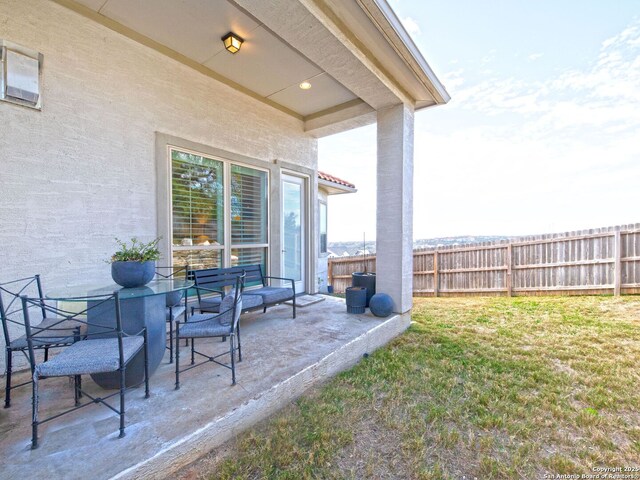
133,274
366,280
356,297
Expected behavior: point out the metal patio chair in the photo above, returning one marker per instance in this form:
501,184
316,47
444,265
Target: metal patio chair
103,349
175,303
14,329
222,325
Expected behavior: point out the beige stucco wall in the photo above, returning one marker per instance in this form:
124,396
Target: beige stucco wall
82,171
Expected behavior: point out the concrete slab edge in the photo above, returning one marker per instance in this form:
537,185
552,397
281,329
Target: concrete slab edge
188,449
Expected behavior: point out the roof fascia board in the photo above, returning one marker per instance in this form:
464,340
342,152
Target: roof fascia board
389,25
335,188
341,31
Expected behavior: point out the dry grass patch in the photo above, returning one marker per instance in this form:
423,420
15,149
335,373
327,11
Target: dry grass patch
478,387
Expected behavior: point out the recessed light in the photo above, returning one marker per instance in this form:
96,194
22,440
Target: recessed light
305,85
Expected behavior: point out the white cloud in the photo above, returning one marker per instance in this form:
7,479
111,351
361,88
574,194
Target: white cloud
538,155
412,26
605,95
534,56
453,79
489,57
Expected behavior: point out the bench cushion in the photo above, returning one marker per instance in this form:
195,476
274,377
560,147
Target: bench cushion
271,294
211,304
174,313
251,301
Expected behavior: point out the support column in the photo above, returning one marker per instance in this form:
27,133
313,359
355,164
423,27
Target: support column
394,218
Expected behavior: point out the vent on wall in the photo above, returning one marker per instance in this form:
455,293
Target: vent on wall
20,75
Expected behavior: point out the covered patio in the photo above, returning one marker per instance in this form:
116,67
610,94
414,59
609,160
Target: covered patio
282,358
129,108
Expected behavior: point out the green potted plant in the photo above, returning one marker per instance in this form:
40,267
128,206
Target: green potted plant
134,265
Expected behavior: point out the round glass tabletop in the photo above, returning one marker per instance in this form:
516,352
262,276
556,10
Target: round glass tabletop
155,287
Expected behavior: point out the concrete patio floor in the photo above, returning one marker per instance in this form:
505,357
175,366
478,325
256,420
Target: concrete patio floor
282,358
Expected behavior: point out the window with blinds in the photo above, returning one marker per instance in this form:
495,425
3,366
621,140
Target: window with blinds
248,206
199,222
198,210
248,216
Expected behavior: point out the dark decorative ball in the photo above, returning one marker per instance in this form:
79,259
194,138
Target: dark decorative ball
381,305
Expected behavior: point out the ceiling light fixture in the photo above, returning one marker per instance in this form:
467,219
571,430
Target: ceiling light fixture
232,42
305,85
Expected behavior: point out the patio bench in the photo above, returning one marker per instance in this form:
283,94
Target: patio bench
213,281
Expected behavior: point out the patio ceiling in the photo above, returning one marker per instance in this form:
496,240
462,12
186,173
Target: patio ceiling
355,53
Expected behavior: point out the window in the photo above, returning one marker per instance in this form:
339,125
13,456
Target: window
249,239
210,198
323,227
198,206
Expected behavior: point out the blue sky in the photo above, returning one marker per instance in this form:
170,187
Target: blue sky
542,133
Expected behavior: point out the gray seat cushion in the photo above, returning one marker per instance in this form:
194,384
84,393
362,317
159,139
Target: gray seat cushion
248,301
251,301
60,333
199,326
90,356
207,325
271,294
174,313
210,304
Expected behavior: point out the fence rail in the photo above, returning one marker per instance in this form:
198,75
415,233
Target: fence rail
596,261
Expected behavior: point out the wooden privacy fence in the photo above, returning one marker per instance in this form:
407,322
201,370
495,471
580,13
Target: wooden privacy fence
597,261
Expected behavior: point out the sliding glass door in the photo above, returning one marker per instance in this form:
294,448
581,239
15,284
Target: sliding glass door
293,230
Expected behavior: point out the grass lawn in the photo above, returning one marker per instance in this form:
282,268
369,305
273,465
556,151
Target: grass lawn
477,387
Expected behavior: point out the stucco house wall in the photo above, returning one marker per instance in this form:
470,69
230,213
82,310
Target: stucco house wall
83,170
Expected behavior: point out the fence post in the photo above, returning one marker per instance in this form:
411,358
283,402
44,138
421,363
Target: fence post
436,280
330,272
617,271
509,277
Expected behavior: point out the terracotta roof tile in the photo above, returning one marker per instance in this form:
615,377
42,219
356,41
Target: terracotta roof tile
332,179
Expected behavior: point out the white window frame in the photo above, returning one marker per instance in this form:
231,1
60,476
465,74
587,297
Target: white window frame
227,213
322,203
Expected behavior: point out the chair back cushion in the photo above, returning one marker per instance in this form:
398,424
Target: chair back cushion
226,309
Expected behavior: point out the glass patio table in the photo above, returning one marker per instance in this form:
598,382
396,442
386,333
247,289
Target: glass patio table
139,307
